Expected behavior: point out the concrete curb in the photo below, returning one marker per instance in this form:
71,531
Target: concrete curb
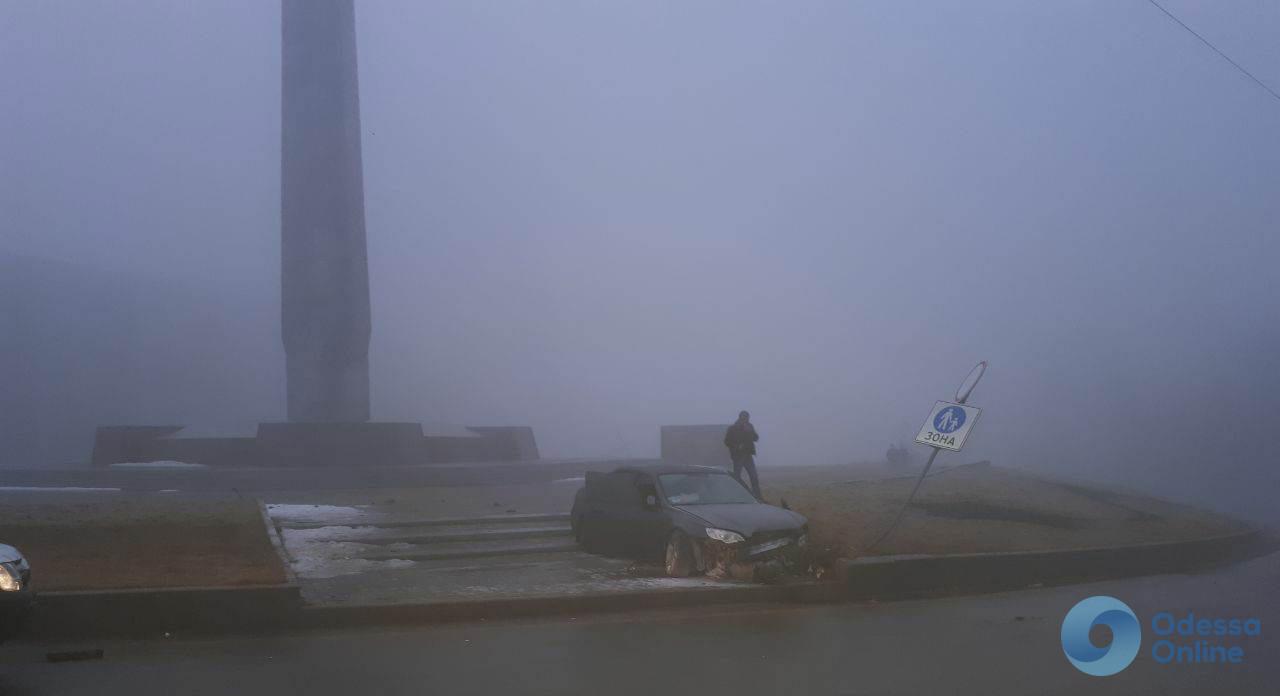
332,617
163,610
279,607
900,577
884,578
277,542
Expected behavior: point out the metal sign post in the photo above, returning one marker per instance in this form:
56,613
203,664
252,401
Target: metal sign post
947,427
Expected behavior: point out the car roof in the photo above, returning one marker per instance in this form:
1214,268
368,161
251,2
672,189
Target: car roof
656,469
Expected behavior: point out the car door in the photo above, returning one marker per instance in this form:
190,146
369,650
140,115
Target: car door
591,508
646,523
611,512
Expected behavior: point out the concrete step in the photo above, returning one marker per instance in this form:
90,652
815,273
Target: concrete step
474,550
476,535
504,565
432,522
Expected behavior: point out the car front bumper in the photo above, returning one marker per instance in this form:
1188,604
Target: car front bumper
765,547
716,555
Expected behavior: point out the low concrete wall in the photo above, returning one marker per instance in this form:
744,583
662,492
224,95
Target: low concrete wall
517,442
333,617
157,611
151,612
113,444
907,576
220,451
251,479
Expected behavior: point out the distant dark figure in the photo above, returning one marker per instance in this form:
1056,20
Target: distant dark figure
894,456
898,456
741,438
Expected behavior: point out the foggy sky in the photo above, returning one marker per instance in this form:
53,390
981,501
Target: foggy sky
596,218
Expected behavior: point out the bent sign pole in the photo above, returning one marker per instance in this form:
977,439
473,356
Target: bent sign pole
947,427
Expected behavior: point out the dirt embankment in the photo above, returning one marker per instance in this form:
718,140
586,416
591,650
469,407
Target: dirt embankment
982,509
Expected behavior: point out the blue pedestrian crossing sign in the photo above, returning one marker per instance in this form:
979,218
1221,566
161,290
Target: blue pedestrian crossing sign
948,425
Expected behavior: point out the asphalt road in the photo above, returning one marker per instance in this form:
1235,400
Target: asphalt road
996,644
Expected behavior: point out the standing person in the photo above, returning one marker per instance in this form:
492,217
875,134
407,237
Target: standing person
741,438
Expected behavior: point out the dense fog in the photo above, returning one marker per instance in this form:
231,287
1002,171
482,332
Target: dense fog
598,218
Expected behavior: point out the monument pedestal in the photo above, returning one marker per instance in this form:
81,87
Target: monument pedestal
340,444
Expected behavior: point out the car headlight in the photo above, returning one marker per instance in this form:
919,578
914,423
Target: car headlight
10,581
724,535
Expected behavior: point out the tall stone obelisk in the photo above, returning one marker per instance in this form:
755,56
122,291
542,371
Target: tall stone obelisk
324,266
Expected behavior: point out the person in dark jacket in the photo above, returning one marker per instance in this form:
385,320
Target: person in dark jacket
741,439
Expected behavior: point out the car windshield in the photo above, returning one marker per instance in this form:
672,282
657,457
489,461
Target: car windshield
704,489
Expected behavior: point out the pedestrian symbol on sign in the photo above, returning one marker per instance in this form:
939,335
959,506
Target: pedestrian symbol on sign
948,425
949,419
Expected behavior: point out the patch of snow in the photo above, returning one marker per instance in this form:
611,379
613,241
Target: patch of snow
288,512
55,489
219,431
164,464
318,568
448,430
332,533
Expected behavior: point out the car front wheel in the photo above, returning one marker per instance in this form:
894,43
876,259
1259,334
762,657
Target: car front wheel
679,555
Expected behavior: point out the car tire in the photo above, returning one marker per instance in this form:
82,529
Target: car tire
678,559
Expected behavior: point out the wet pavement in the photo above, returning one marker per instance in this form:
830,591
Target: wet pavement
998,644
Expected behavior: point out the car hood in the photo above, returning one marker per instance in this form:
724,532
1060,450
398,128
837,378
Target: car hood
746,518
9,554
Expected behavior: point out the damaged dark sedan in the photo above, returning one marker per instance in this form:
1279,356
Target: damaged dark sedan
691,518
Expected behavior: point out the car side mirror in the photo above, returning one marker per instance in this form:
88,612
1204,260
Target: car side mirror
651,501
